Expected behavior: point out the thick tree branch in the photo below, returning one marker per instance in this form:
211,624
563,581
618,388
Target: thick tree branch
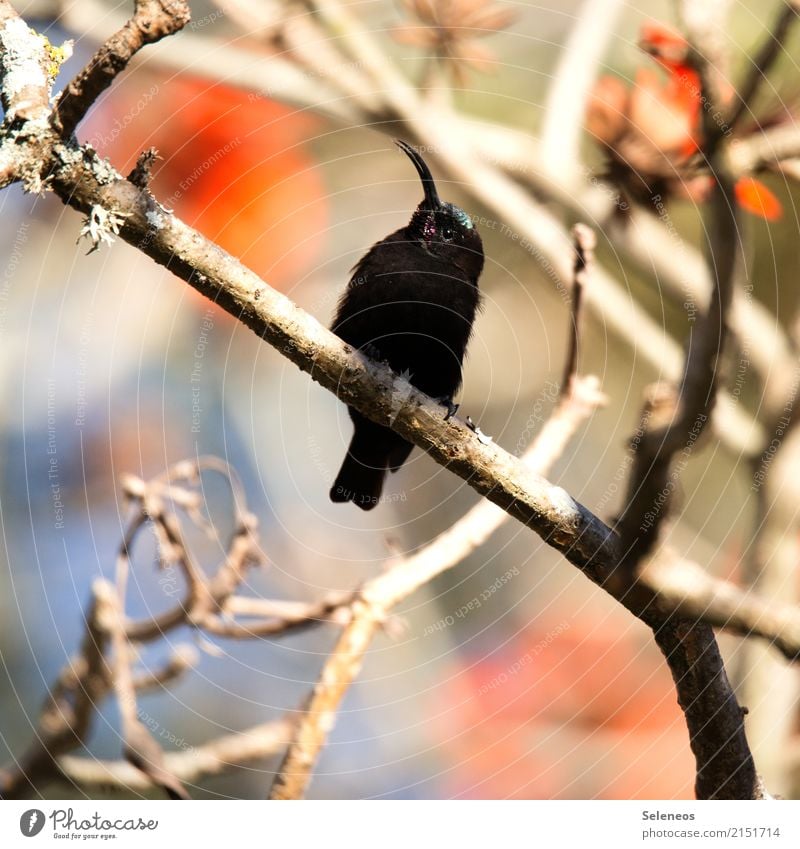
725,768
88,184
675,417
370,605
646,242
674,420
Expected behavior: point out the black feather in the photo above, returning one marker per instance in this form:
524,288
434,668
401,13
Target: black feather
411,301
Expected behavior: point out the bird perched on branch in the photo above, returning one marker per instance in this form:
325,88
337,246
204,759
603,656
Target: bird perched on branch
411,302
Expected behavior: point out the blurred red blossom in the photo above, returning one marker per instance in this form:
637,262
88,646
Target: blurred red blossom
652,131
568,711
232,165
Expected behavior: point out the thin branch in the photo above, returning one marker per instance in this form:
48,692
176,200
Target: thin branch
765,149
66,715
183,658
585,243
683,588
318,715
573,79
762,63
299,616
205,596
139,747
190,766
152,20
764,681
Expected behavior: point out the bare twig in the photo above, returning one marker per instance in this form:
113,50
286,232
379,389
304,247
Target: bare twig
585,242
183,658
572,84
152,20
139,748
87,680
189,766
761,64
205,596
65,719
764,681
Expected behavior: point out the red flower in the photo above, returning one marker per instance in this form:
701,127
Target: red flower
653,131
231,165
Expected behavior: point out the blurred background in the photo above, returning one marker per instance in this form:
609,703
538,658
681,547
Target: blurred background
546,688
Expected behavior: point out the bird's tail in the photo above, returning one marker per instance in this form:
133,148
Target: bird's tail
360,479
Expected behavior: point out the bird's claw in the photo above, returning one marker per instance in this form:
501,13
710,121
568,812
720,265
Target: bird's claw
452,408
483,438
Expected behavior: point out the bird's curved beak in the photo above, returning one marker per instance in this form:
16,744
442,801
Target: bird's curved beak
431,195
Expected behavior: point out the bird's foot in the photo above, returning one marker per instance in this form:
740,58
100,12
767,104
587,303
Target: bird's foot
452,408
483,438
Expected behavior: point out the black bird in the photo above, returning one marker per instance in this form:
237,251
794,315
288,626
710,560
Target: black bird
411,302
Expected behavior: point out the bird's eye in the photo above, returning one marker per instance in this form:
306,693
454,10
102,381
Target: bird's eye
448,234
